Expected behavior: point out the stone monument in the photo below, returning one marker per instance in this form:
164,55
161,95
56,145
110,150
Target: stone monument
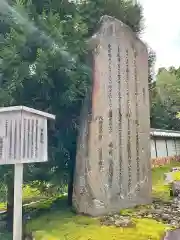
113,169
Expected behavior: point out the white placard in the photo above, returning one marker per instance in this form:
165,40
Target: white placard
23,139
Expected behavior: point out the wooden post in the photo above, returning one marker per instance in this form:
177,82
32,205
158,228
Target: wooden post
18,182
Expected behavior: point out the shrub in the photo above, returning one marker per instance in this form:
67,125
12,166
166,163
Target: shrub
161,161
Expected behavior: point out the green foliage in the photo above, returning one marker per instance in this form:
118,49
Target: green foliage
43,54
39,72
151,62
165,100
124,10
168,86
30,194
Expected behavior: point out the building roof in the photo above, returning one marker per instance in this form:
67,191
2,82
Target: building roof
164,133
27,109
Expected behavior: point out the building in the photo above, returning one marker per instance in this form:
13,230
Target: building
165,143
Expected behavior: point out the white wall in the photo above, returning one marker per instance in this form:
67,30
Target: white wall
171,146
153,149
178,146
163,147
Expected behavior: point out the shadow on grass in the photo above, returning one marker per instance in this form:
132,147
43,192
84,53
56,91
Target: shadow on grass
48,206
56,218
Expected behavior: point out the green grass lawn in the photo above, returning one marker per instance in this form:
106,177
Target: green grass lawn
62,224
53,220
159,190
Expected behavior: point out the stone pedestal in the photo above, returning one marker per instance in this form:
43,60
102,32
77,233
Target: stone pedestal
113,169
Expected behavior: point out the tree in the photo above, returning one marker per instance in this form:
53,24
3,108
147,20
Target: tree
163,116
40,73
165,100
168,86
124,10
151,62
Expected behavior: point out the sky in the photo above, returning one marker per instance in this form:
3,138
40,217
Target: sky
162,30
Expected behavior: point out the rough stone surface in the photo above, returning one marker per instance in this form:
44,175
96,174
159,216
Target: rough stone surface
175,169
168,177
173,235
118,221
113,168
168,213
176,188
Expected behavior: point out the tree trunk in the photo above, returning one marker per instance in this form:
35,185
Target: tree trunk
10,202
71,177
70,186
